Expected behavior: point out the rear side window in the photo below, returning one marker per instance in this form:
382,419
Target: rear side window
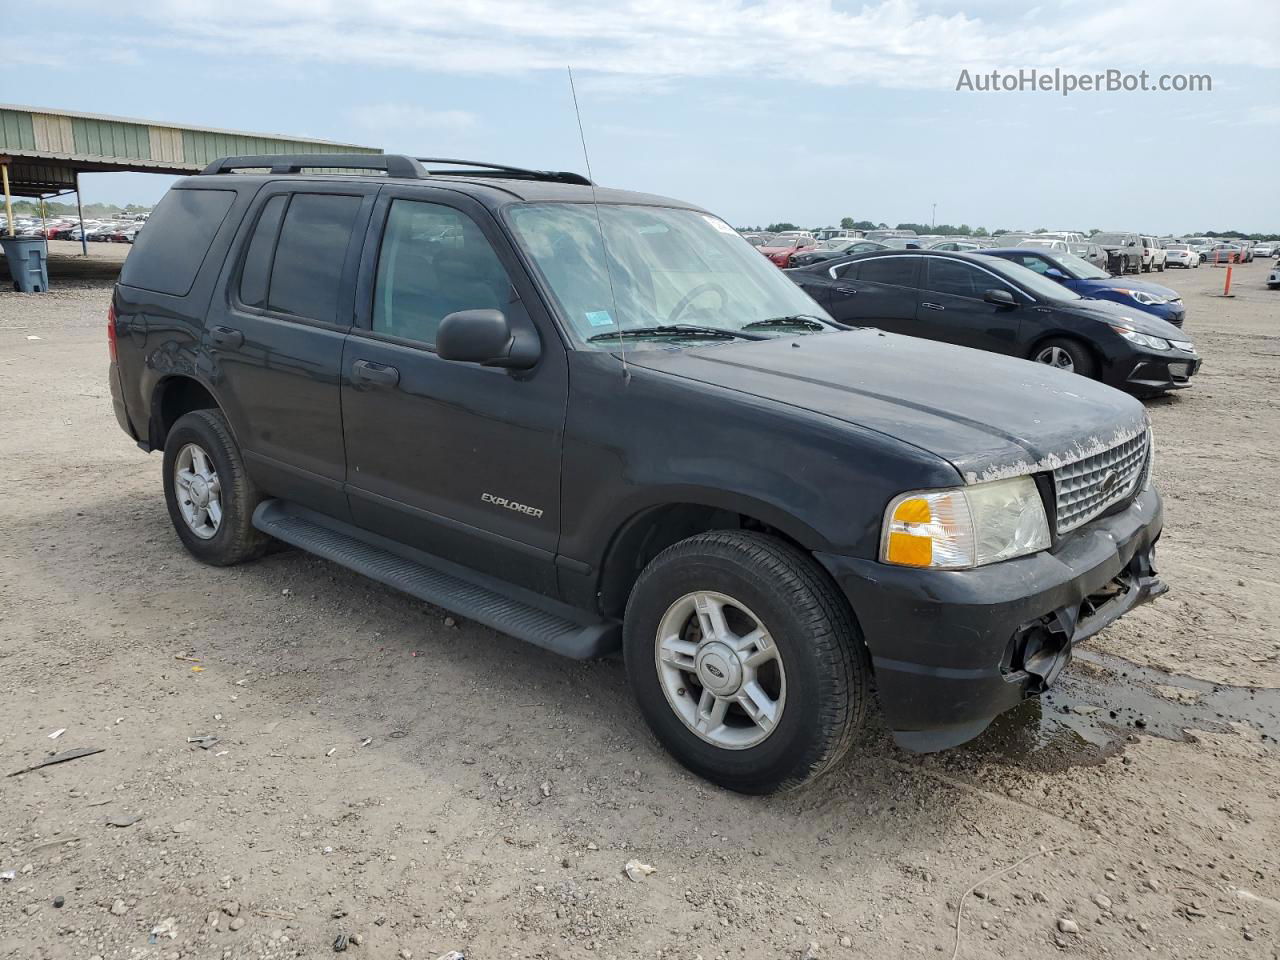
898,271
167,255
256,274
307,271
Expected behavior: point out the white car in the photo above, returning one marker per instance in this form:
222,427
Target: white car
1265,249
1181,255
1153,255
1048,243
1273,278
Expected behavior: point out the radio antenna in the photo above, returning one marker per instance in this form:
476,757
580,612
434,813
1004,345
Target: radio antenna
604,245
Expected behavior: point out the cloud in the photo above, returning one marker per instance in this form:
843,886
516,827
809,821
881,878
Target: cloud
891,43
410,117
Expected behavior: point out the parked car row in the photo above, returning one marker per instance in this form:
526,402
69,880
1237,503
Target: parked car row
117,230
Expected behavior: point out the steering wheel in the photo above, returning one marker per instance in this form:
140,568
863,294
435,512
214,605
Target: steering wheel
678,310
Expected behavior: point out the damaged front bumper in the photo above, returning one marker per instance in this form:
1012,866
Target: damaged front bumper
952,649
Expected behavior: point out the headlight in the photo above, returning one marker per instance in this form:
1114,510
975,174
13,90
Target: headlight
965,526
1185,345
1141,296
1141,339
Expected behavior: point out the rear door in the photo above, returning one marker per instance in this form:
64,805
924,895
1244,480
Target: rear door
952,308
275,337
457,459
878,292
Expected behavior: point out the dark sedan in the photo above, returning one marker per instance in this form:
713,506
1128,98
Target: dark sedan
976,300
1088,281
834,250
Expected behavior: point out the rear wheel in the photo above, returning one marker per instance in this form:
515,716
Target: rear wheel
745,661
1063,354
208,491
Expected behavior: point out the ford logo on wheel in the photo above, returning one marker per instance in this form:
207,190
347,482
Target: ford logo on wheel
714,671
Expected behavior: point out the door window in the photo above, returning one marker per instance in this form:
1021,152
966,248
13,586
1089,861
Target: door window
957,279
306,274
898,271
434,261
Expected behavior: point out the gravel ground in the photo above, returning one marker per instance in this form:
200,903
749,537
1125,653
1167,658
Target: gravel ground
421,785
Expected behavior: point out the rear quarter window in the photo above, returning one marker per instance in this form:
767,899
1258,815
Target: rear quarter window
167,255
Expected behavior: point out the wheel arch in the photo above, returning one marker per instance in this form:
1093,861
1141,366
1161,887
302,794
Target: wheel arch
171,398
649,529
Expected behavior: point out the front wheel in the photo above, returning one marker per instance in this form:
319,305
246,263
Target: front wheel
208,491
1070,356
1160,268
745,660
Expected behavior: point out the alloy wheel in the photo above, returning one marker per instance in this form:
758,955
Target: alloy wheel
1056,357
199,491
720,670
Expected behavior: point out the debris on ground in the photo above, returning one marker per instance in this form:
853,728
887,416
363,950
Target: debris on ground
63,757
637,871
124,820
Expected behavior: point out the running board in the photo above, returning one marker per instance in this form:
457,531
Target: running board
509,609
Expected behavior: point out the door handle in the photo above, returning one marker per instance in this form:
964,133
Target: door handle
841,288
226,337
932,306
378,374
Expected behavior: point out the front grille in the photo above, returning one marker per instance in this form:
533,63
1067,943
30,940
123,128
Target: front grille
1087,487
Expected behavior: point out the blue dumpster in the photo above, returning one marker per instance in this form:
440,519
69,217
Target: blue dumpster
25,257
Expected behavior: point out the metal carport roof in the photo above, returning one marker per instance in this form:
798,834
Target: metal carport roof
45,148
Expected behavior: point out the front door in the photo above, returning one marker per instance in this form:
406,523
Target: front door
459,460
952,308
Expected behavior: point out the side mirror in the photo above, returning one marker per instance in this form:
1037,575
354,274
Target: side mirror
1001,298
486,337
1056,274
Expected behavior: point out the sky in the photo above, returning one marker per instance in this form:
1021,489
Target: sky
791,110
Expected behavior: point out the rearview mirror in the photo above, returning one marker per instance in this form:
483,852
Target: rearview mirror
485,337
1001,298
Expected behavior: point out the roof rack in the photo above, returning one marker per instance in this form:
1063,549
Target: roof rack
478,168
395,165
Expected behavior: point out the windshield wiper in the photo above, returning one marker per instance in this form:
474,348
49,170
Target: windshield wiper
794,320
686,330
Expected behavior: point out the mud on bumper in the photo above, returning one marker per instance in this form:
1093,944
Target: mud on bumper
954,649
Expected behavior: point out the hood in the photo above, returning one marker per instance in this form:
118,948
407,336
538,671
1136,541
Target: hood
1108,311
1124,283
990,416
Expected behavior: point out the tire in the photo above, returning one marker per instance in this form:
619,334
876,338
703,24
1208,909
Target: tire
1160,268
817,681
220,477
1063,353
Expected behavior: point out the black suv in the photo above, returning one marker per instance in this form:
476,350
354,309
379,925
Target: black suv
596,419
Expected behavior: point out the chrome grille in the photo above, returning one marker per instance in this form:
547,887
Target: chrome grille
1087,487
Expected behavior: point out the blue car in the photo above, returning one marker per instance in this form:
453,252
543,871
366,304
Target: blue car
1083,278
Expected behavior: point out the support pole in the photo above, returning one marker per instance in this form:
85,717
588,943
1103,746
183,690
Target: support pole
84,244
8,200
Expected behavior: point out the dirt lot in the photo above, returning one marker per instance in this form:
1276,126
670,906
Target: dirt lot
384,773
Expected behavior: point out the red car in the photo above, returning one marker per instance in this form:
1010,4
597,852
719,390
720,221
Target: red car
781,249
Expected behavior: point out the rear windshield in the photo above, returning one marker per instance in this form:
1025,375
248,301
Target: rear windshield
167,255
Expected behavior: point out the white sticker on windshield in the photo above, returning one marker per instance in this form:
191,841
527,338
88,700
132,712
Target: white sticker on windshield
599,318
719,224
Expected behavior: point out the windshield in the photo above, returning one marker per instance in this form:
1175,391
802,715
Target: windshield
665,266
1042,287
1078,268
1115,239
